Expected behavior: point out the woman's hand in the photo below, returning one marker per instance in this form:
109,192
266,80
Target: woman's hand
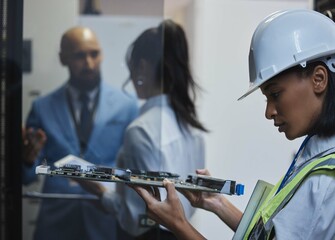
214,202
169,212
205,200
166,212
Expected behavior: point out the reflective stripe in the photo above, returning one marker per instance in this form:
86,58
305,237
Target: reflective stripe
274,203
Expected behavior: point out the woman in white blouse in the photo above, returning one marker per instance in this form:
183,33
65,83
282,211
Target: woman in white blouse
167,135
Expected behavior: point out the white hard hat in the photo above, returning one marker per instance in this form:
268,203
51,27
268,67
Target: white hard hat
287,38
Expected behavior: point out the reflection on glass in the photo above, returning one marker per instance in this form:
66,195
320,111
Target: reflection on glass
167,135
52,106
80,118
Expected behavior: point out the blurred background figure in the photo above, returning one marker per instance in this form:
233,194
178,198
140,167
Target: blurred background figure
84,117
167,136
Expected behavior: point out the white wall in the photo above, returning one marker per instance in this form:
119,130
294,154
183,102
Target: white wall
243,145
44,26
115,34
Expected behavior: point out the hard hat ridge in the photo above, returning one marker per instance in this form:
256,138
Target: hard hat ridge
288,38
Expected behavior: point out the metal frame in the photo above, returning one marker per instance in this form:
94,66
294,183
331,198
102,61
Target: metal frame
10,118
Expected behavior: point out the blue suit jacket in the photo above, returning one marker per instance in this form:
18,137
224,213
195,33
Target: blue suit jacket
75,219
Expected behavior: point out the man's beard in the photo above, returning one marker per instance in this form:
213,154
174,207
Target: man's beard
85,84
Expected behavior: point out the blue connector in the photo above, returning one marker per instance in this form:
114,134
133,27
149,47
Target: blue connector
239,189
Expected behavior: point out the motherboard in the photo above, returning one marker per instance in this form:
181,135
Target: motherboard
193,182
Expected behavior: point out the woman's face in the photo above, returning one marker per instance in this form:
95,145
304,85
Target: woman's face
143,78
292,103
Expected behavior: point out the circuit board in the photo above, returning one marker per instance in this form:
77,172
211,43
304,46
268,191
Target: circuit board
141,177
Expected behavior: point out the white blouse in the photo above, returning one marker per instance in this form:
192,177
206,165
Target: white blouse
155,142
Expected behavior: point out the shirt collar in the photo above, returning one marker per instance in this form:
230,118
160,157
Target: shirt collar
317,147
74,93
159,100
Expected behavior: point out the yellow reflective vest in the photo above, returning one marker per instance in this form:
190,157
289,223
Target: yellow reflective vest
261,226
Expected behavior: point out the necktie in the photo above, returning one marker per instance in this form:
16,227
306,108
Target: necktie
85,124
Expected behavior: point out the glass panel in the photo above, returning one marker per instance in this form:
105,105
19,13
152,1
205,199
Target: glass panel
10,118
138,112
218,51
57,69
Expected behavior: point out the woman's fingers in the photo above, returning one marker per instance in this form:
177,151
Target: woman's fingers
169,186
203,172
157,193
145,192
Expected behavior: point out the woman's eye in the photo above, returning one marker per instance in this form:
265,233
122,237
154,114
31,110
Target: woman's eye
274,95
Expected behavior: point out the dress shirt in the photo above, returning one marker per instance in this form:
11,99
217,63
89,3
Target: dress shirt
310,213
156,142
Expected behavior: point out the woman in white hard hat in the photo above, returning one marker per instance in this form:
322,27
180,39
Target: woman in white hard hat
291,59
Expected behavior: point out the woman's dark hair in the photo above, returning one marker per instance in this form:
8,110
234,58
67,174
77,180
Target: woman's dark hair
325,124
165,47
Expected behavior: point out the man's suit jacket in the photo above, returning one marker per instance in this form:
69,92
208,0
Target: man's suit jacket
75,219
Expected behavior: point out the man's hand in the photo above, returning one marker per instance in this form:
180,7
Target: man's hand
33,142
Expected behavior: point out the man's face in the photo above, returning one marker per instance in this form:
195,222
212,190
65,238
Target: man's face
83,58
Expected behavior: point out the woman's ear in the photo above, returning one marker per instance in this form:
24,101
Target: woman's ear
320,79
146,70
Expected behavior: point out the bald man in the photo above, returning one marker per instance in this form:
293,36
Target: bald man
54,129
